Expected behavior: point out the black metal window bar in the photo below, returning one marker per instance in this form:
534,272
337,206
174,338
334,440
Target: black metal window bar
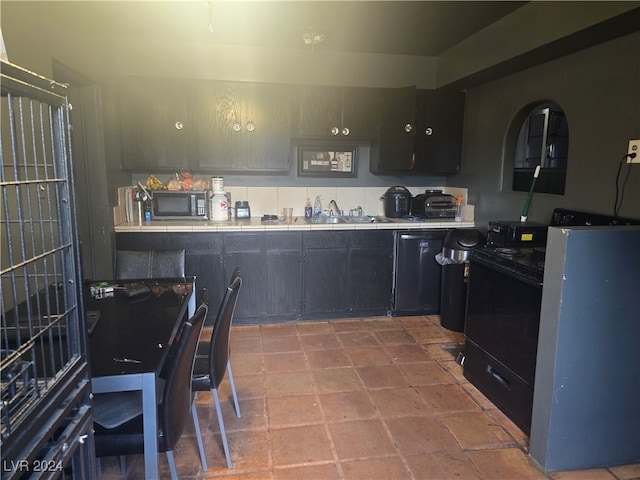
45,417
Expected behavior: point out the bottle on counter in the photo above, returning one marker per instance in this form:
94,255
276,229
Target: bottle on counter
147,211
229,207
308,209
317,207
217,184
218,207
458,217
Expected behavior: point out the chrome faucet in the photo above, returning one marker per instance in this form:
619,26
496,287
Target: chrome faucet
334,211
357,210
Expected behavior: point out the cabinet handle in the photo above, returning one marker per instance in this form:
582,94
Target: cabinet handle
237,127
251,127
179,125
429,131
408,128
346,131
335,130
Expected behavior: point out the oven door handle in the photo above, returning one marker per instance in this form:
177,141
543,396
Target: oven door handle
499,378
528,279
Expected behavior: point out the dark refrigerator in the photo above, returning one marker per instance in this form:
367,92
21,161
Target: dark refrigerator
416,274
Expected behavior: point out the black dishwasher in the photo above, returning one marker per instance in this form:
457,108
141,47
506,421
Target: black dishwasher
416,274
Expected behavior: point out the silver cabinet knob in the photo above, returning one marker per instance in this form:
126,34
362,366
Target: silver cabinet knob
346,131
408,128
251,127
429,131
179,125
335,130
237,127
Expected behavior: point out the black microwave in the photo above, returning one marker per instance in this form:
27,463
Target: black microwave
179,205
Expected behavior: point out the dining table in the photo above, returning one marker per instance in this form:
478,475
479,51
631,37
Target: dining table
130,326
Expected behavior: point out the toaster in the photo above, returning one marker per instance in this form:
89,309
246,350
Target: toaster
433,204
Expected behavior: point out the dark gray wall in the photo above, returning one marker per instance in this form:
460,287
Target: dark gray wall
599,89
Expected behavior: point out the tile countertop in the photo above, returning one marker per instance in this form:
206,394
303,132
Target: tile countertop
255,224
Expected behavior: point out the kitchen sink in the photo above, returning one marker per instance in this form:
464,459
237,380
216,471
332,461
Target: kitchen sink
359,219
329,220
350,219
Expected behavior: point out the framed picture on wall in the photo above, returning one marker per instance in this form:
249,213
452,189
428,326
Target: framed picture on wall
323,161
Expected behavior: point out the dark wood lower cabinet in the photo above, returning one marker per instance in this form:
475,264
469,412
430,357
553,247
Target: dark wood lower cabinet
347,273
246,251
370,271
325,281
286,275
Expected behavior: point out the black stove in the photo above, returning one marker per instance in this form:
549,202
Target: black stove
504,298
526,263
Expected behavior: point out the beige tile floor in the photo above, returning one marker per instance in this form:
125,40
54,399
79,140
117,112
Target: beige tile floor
375,398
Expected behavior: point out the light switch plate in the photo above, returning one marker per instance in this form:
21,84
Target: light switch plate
634,147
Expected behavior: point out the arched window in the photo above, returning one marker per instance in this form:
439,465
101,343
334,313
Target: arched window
542,139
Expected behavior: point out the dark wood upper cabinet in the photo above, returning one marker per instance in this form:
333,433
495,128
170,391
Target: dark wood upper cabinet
243,126
217,126
268,108
344,113
317,110
170,124
157,123
361,112
439,124
396,132
219,109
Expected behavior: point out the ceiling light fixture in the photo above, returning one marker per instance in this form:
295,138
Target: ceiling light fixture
313,38
207,4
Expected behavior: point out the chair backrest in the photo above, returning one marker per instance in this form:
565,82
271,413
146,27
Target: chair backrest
175,406
219,346
132,264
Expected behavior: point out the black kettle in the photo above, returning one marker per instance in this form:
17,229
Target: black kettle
397,202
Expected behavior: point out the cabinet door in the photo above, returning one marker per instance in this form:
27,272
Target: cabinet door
439,131
360,113
284,273
396,133
220,129
267,126
318,111
325,272
243,126
337,113
325,285
370,271
246,251
157,126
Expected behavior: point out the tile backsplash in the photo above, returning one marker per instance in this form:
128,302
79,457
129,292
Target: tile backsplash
271,200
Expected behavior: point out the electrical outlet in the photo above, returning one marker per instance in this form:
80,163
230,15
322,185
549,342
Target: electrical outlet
634,147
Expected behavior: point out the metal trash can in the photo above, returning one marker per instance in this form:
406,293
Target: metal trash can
455,267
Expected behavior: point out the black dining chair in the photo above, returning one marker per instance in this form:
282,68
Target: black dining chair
133,264
118,416
212,358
